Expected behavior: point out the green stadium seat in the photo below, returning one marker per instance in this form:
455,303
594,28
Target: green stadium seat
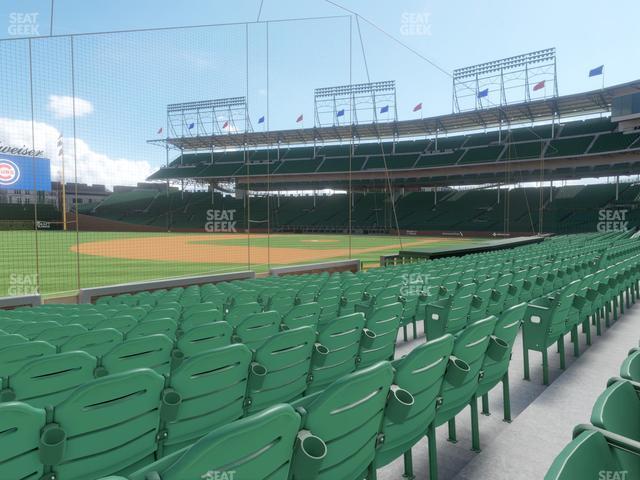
50,379
14,357
286,357
259,447
384,322
303,315
450,314
420,373
164,326
617,410
11,339
95,342
153,352
239,312
122,323
212,387
33,329
58,336
204,337
342,338
110,425
348,416
200,318
589,454
630,368
258,327
20,425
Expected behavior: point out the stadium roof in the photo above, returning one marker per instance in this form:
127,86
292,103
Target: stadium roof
577,104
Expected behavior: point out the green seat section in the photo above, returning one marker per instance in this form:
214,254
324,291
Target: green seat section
90,321
286,358
95,342
14,357
204,337
421,373
303,315
212,386
164,326
32,330
58,336
348,415
585,457
200,318
384,322
617,410
259,447
20,426
630,368
257,328
341,338
50,379
152,352
460,384
239,312
122,323
111,425
11,339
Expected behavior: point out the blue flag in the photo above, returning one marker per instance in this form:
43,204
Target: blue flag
483,93
594,72
191,125
384,109
261,120
340,113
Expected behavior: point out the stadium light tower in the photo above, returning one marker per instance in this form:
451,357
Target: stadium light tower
354,104
208,117
512,80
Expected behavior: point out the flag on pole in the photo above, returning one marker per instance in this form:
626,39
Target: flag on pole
300,118
225,124
261,119
538,86
159,131
340,113
191,125
594,72
384,109
483,93
416,108
60,140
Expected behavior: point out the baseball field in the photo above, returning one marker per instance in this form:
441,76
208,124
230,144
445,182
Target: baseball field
57,263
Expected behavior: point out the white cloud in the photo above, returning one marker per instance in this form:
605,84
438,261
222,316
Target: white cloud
62,106
93,167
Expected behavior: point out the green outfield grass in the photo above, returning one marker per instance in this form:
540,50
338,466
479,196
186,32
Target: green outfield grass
58,270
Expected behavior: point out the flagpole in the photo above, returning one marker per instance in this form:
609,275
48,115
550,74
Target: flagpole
64,188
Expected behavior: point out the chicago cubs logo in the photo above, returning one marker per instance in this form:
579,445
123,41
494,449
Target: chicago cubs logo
9,172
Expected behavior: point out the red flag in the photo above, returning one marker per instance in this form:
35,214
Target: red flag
159,131
300,118
417,107
226,124
538,86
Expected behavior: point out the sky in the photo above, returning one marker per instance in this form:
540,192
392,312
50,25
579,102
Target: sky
123,81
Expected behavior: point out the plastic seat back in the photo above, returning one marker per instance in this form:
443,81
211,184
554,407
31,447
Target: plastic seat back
287,360
239,312
347,415
617,410
164,326
342,340
111,425
212,385
630,368
303,315
204,337
122,323
202,317
257,328
421,373
152,352
461,381
13,357
32,330
258,447
49,380
94,342
58,336
20,425
384,322
11,339
90,320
